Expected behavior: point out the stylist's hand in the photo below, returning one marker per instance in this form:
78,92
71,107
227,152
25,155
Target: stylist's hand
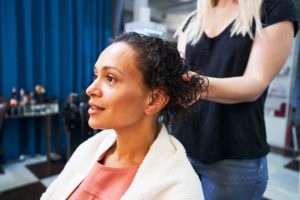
188,75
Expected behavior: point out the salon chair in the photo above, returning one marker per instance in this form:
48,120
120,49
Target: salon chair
3,108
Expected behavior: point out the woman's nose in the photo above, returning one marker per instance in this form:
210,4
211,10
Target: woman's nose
93,89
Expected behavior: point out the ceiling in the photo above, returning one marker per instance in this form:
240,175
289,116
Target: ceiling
182,5
161,8
169,12
172,5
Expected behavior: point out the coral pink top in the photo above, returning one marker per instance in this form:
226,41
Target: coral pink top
104,183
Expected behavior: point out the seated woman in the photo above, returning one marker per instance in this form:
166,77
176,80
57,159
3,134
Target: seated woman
137,88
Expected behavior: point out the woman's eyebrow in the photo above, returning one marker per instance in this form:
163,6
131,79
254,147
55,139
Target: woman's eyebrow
105,68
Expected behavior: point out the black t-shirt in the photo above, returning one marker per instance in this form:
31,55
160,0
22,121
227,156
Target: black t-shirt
215,131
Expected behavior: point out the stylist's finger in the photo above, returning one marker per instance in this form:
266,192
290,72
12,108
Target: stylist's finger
188,75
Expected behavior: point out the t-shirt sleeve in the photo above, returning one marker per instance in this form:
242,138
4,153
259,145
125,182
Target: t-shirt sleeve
274,11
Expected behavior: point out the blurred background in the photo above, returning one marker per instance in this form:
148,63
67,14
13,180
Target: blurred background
47,53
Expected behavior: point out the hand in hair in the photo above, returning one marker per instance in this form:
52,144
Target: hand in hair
189,75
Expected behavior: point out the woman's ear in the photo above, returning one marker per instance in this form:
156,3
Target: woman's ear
158,99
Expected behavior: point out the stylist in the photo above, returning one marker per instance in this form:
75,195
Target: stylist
240,46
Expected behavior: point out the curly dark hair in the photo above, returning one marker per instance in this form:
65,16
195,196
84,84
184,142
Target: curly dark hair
162,67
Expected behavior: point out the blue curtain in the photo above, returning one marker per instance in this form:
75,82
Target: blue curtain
50,42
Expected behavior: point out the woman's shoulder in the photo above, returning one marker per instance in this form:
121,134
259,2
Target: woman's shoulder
172,175
183,171
185,181
274,11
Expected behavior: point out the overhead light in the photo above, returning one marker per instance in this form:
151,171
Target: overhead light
142,21
146,28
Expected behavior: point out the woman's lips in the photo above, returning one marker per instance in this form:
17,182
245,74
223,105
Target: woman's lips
94,109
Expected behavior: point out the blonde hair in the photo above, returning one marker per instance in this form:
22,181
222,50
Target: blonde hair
249,10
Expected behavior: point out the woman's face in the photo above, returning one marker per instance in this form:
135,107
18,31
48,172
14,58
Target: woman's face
118,95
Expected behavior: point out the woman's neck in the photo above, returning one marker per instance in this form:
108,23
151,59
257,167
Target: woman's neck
131,146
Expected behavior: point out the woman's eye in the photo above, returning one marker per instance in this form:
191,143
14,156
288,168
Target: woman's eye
110,79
